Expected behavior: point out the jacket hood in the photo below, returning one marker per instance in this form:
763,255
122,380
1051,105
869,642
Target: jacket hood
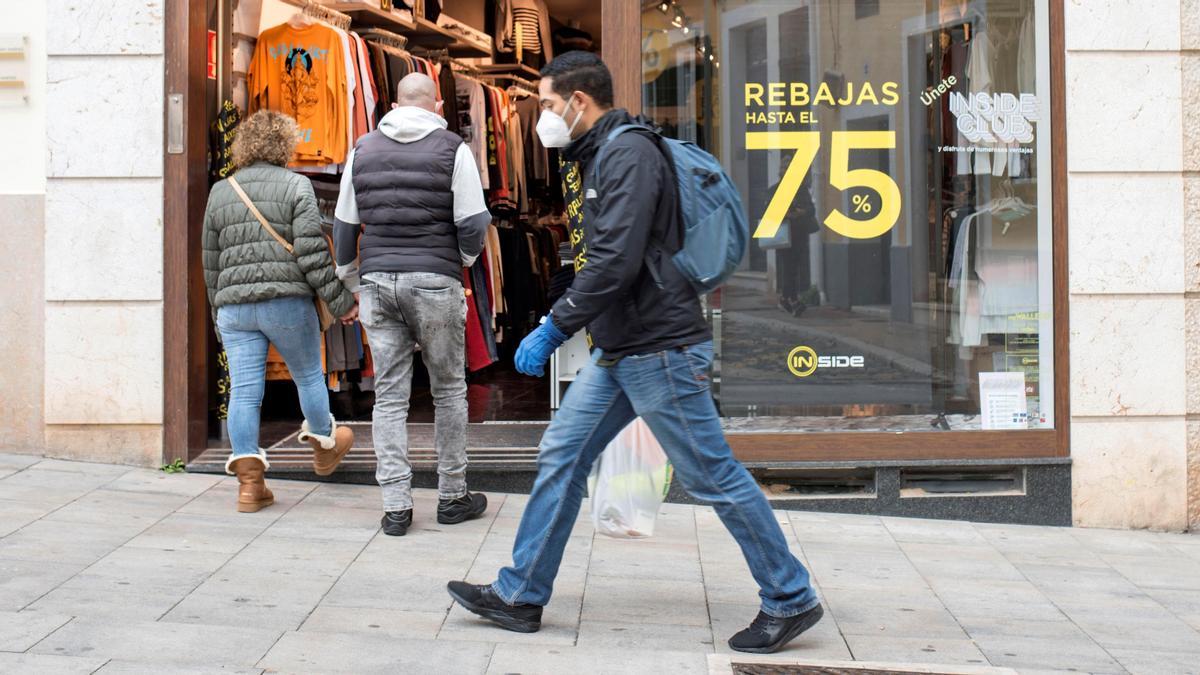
408,124
584,148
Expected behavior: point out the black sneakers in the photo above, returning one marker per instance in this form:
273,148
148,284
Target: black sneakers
396,523
767,634
483,601
466,507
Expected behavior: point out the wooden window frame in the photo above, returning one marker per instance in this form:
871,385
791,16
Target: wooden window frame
185,311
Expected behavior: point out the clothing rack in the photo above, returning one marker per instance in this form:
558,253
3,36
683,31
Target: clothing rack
320,12
385,37
519,82
461,67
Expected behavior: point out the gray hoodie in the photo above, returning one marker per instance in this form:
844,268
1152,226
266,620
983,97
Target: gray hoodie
408,124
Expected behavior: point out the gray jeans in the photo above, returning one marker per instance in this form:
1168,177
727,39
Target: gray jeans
399,312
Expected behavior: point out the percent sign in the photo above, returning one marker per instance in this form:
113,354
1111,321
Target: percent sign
860,203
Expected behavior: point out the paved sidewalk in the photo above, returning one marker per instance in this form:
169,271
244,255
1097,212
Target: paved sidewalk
119,570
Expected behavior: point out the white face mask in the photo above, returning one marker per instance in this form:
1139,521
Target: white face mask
553,130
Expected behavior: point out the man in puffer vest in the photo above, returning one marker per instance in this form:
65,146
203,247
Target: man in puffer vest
411,214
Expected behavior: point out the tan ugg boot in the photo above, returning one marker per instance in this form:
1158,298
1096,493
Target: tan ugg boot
253,494
328,451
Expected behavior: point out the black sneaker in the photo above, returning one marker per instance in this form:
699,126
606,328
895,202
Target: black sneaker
466,507
396,523
768,634
482,600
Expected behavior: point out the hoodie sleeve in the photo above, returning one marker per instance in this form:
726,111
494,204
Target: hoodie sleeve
347,226
471,214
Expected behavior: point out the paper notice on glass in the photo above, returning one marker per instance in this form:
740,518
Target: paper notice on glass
1002,399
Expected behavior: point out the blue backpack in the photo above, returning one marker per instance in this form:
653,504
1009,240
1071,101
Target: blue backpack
716,232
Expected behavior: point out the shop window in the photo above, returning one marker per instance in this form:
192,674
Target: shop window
897,178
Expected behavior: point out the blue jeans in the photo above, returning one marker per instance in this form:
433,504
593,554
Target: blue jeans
670,391
247,331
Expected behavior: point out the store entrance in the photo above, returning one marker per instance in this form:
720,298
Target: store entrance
485,61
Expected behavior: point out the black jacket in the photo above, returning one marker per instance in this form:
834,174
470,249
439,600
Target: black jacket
630,221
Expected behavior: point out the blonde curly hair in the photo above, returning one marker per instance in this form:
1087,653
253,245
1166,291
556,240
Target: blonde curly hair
268,136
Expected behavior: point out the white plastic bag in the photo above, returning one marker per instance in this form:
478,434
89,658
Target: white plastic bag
628,484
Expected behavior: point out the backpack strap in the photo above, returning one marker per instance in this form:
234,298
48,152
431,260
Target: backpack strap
655,274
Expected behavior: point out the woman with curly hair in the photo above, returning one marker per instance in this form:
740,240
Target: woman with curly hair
265,260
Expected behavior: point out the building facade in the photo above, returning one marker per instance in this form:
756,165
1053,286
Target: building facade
97,368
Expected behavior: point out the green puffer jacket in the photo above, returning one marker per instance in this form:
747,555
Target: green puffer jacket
243,263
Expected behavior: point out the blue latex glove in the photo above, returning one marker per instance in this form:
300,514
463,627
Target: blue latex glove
537,347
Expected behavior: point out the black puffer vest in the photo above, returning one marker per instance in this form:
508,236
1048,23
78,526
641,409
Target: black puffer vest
406,204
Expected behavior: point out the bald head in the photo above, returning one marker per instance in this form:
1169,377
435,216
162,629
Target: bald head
418,90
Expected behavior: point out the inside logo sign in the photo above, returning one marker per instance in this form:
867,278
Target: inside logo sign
804,361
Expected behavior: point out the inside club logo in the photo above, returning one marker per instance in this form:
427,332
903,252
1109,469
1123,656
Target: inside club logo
804,361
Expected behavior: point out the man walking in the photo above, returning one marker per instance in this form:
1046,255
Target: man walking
652,359
411,190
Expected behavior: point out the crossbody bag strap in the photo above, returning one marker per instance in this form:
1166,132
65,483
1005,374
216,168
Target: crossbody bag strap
255,212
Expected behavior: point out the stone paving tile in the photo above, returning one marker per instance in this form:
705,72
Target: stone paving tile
1024,544
17,462
383,586
1183,604
1078,653
192,532
842,568
20,514
873,613
221,500
21,630
327,522
133,570
958,561
1131,623
1122,542
116,667
1017,627
52,488
1012,600
90,468
914,531
530,660
66,542
1072,583
169,642
1157,571
103,604
24,581
157,482
668,637
376,622
1157,662
107,507
272,555
39,664
915,650
315,652
644,601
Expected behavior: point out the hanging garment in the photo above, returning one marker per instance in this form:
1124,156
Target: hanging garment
478,354
534,19
222,132
302,72
473,111
448,90
370,88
